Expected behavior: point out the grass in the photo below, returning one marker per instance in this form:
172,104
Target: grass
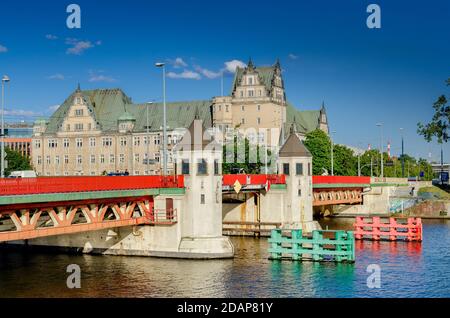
436,192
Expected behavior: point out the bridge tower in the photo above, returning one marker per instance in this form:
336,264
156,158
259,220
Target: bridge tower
295,161
199,159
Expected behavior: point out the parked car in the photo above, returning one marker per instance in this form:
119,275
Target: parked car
23,174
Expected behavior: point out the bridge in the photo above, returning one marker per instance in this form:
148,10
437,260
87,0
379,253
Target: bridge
50,206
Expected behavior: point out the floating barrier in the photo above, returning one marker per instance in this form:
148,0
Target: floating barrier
338,246
374,229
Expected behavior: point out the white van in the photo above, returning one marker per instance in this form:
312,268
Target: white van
23,174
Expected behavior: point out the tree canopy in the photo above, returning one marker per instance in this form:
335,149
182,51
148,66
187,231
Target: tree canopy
439,125
16,162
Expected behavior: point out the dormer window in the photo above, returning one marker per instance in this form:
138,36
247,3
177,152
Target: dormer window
79,100
79,112
250,80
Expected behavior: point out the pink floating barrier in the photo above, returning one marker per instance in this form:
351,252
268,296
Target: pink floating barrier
395,229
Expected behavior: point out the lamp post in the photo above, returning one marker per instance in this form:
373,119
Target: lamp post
148,139
332,150
403,154
163,66
381,148
5,80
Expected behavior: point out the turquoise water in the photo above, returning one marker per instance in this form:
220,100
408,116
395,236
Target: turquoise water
407,270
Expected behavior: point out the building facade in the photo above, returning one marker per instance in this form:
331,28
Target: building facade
102,131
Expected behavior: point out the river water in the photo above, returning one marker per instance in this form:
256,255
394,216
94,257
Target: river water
407,270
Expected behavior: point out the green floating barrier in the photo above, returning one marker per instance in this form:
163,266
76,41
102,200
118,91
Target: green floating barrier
337,246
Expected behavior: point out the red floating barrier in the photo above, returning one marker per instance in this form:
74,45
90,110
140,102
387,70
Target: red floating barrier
374,229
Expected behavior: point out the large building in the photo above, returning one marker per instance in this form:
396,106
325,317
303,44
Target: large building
101,131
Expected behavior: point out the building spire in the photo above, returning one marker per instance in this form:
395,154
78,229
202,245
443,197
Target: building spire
277,63
250,65
197,114
293,129
78,88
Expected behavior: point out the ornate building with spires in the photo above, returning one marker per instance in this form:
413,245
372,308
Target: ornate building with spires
100,131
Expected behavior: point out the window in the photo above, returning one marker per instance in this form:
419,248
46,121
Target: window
259,107
37,144
137,141
48,160
202,199
157,157
286,169
259,121
92,142
78,100
202,167
78,112
66,159
78,127
92,173
243,121
121,158
250,93
89,126
92,158
57,160
250,81
66,173
68,127
220,108
146,140
136,173
299,169
107,141
299,192
123,141
226,108
79,159
185,167
79,142
52,143
102,158
111,158
39,160
216,167
242,93
136,157
243,108
66,143
259,93
157,140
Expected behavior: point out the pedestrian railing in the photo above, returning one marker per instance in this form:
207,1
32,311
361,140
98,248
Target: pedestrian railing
409,229
338,246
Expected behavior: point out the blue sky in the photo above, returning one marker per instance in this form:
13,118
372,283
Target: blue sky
391,75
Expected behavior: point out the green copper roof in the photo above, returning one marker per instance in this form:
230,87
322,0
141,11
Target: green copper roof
305,121
110,105
265,73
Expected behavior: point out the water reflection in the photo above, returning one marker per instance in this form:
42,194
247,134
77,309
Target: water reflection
408,270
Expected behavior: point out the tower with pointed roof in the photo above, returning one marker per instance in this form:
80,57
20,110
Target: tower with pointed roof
199,159
295,162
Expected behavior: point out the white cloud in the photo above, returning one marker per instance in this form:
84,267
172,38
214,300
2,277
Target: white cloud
231,66
207,73
96,76
293,56
178,63
21,113
186,74
3,49
51,37
53,108
57,76
78,47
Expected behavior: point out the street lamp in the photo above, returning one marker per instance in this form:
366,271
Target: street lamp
5,80
163,66
403,154
148,139
332,150
381,148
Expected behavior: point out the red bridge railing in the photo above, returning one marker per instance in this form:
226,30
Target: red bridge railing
340,180
255,179
42,185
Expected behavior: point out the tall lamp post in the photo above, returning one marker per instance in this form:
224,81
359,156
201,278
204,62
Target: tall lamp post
5,80
332,151
163,66
403,154
148,139
381,149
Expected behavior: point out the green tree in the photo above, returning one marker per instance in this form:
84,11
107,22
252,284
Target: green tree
345,162
16,161
439,125
250,162
319,144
